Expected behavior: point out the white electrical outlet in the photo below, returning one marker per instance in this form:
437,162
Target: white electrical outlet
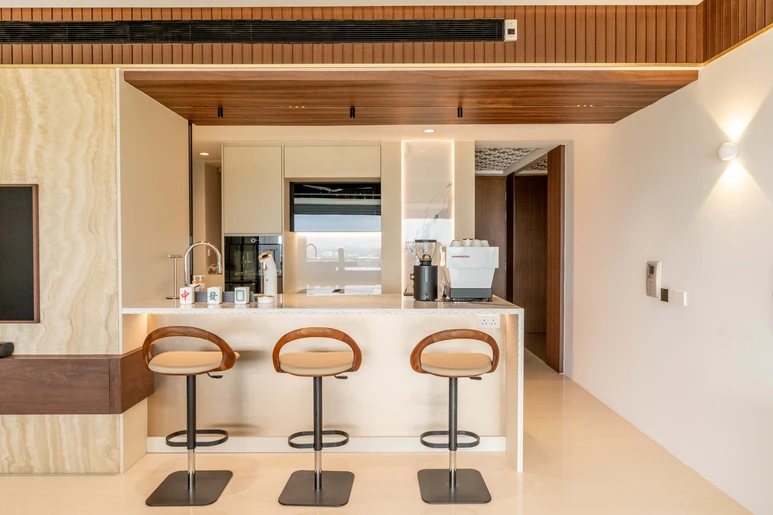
488,321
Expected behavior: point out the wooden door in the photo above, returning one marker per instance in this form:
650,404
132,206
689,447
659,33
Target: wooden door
555,258
535,256
491,224
530,210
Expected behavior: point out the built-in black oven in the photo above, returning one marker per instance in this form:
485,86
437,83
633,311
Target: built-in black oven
242,267
335,206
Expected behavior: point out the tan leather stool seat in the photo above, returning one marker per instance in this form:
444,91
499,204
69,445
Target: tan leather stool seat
458,364
186,362
316,364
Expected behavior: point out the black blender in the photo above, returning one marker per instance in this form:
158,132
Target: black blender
424,277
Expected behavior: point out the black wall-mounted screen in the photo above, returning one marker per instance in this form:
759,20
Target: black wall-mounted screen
19,253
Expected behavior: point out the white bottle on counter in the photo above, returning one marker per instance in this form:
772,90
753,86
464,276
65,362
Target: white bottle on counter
268,267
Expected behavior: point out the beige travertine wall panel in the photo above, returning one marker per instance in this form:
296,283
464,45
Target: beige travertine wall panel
59,444
58,130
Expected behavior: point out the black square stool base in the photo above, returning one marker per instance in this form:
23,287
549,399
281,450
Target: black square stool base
299,490
435,485
174,490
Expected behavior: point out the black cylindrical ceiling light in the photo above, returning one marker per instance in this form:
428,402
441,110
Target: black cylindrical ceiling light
351,112
219,111
459,112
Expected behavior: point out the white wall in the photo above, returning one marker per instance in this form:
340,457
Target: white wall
154,195
698,379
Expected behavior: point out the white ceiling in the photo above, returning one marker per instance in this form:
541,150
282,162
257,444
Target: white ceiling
209,138
318,3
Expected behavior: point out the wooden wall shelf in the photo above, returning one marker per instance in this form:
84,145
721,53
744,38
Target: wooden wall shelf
74,384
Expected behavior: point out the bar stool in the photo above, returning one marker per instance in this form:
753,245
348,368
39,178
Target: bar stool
306,487
452,486
191,487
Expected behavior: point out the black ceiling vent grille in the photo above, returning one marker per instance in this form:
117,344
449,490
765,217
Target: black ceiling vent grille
252,31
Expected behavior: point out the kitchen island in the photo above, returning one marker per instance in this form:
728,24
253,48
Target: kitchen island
384,406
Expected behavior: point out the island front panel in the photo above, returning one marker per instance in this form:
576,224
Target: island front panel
385,398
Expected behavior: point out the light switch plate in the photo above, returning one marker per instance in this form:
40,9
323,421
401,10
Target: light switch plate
511,30
488,321
653,279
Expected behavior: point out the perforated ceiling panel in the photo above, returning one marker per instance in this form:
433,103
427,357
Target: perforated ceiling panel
540,165
489,159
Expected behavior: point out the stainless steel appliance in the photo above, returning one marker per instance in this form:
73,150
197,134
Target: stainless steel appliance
468,272
335,206
242,263
425,274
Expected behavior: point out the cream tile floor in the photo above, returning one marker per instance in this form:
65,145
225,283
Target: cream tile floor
580,458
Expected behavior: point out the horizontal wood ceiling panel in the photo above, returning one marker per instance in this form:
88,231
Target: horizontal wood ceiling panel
408,97
546,34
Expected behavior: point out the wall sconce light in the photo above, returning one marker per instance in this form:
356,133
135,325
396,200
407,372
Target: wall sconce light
728,151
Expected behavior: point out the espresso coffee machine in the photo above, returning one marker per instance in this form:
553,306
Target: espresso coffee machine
468,272
425,274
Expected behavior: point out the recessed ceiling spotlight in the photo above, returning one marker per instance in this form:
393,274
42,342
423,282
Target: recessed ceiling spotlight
203,153
429,130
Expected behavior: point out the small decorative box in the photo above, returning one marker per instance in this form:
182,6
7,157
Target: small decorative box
187,295
241,295
214,295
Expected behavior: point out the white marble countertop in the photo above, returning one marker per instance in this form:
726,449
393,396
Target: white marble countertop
292,303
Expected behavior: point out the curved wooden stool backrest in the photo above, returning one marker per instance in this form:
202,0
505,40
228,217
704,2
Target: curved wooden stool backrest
318,332
454,334
229,356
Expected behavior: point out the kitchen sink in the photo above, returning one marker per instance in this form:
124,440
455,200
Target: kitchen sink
352,290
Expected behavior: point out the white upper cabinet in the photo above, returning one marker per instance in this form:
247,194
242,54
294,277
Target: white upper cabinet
333,161
252,189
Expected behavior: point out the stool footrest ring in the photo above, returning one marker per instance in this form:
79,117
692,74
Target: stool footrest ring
207,443
325,445
444,445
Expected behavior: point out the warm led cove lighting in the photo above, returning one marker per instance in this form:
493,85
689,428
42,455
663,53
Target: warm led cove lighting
204,153
429,130
728,151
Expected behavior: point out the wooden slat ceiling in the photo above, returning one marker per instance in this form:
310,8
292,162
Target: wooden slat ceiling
654,34
408,97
